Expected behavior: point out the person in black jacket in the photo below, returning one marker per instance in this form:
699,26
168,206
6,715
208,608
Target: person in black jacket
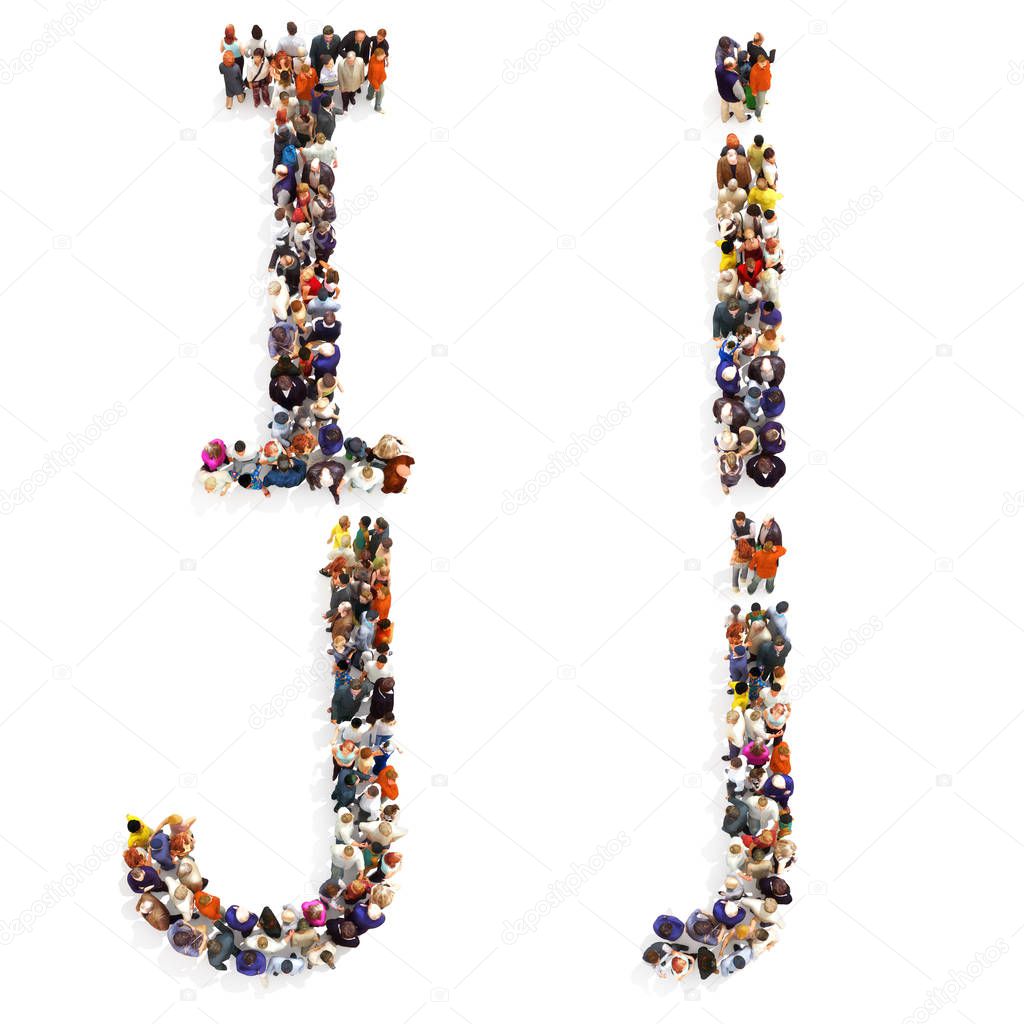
325,117
285,262
288,392
322,46
769,531
381,43
756,47
358,43
766,470
327,473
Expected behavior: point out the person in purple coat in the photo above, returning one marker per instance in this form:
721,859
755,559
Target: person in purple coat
326,359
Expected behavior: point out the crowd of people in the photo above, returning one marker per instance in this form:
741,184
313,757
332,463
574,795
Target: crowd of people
175,898
744,920
333,68
303,91
747,320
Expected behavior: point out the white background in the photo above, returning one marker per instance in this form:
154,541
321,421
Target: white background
558,665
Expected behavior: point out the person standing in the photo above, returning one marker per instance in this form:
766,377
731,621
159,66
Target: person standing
755,48
351,73
357,41
231,44
727,47
760,82
291,42
764,565
327,44
769,530
257,77
328,76
730,90
232,79
376,73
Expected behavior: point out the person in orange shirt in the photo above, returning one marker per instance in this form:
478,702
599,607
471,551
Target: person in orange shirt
764,565
375,74
305,79
760,82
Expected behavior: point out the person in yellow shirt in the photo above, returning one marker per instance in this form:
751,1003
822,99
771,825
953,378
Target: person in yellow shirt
728,260
339,536
763,196
741,696
139,833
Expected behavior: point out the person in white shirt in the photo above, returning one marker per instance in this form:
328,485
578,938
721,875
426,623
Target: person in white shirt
329,74
346,863
736,776
369,804
354,729
279,299
735,733
345,827
256,42
378,668
366,478
763,812
292,42
755,725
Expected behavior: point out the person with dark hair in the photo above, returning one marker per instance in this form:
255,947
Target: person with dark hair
728,316
257,77
727,47
291,43
325,117
325,45
766,470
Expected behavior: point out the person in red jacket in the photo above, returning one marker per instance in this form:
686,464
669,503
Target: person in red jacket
760,82
375,75
765,566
